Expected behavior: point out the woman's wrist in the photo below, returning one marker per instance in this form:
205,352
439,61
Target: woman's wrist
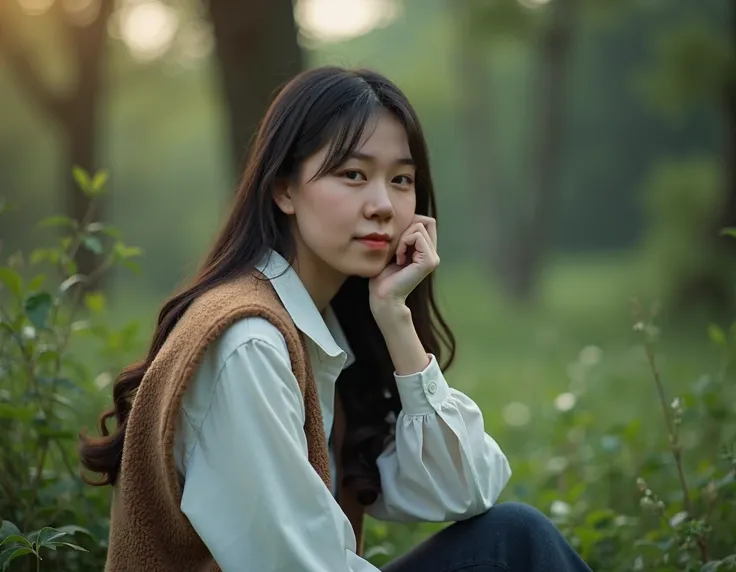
404,346
390,315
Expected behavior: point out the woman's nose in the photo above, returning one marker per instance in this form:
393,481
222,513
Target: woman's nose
379,202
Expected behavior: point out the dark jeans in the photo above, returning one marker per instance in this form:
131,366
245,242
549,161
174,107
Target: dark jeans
511,536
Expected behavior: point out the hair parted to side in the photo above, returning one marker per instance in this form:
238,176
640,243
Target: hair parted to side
319,107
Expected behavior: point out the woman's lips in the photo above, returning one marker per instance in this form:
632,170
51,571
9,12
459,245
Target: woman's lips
374,243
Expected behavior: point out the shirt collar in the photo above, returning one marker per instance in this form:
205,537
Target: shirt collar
326,331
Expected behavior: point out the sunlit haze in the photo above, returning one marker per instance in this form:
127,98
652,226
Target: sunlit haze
147,27
334,20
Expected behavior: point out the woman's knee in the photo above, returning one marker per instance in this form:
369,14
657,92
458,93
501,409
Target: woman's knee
517,519
525,538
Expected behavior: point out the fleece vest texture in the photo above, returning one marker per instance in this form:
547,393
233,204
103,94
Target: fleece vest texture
148,531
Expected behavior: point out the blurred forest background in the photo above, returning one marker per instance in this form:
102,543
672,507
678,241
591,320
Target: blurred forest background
584,153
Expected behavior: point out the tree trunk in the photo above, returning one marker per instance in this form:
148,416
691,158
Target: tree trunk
719,288
491,212
79,132
257,50
713,289
80,120
728,218
537,227
75,113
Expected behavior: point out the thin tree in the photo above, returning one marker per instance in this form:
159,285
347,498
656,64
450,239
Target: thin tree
521,228
551,100
257,52
75,111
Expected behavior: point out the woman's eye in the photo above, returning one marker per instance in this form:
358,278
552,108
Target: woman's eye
353,175
404,180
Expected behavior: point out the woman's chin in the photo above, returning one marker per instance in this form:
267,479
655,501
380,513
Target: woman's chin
367,269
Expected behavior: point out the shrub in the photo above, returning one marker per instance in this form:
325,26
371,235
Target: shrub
51,323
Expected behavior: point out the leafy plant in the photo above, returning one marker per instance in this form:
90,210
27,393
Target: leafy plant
683,534
15,544
51,329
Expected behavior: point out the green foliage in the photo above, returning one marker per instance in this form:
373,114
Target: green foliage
15,545
525,19
690,64
49,318
502,19
655,493
683,198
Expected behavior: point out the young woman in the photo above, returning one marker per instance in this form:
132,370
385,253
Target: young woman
297,383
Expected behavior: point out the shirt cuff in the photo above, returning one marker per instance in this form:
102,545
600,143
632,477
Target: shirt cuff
422,393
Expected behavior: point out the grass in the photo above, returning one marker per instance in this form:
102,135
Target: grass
509,353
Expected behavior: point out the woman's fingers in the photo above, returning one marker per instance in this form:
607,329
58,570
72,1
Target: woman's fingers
405,243
428,255
424,254
431,225
424,231
428,230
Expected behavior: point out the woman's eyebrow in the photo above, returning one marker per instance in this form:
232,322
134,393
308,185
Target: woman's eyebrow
371,159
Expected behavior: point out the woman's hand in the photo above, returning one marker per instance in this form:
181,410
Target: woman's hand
416,258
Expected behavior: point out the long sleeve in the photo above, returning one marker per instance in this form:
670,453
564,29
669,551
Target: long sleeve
442,466
249,490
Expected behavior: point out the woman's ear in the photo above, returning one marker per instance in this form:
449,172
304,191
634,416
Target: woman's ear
282,197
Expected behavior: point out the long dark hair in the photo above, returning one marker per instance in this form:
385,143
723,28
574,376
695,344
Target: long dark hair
323,106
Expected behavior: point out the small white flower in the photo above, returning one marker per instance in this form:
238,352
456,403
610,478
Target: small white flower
28,332
560,508
590,355
676,406
565,401
639,327
516,414
678,519
557,464
621,520
80,325
103,380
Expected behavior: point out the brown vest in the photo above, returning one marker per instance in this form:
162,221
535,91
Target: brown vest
148,531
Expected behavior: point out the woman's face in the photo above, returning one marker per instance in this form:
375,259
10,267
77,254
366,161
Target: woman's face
371,193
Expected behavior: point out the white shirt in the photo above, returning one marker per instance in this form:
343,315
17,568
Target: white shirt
241,452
